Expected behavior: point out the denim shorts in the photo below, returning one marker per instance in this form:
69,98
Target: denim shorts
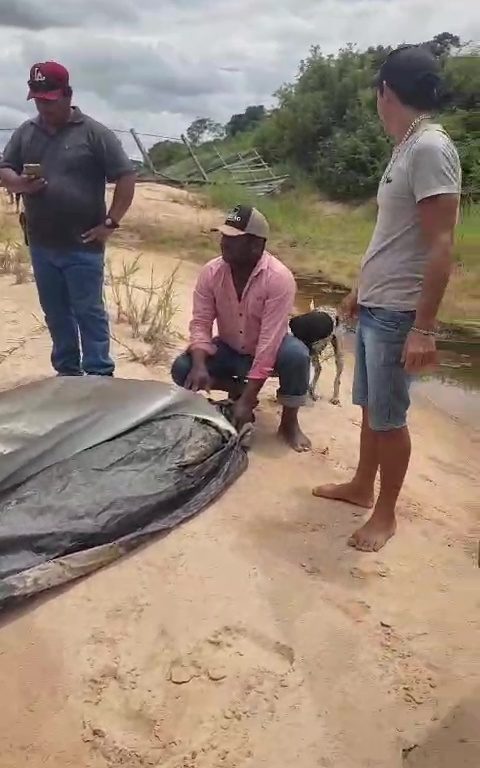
380,382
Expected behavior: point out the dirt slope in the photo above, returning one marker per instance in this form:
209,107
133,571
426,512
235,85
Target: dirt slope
253,636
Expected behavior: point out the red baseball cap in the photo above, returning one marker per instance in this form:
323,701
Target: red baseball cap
48,81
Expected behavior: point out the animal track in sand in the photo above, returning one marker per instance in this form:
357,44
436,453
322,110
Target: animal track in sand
193,709
407,676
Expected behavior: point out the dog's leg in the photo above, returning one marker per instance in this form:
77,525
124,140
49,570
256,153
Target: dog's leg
337,345
317,370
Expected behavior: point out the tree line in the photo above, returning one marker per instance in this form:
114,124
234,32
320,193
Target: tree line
325,127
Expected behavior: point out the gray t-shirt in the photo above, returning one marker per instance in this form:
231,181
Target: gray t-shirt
76,161
394,265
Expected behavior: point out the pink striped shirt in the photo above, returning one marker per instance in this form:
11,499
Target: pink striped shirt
257,324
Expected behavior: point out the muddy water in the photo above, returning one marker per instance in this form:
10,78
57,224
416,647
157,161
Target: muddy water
454,387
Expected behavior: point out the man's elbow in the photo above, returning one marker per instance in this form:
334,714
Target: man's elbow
126,183
443,246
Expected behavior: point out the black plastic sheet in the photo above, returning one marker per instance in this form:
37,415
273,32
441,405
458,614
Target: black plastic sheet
91,468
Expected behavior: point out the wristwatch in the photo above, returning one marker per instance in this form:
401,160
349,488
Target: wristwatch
110,223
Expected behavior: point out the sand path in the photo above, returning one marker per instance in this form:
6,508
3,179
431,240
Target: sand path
293,648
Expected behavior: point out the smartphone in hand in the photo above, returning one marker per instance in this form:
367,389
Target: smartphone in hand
32,170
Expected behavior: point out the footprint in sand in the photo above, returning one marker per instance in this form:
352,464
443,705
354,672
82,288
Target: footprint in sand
201,702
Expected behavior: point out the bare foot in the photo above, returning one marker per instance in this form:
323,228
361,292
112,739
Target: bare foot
374,534
294,437
348,492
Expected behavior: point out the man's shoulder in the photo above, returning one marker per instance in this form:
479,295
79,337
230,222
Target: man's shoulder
95,126
277,268
212,267
433,141
26,127
214,264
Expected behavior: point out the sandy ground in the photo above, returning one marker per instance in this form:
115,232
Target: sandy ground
253,636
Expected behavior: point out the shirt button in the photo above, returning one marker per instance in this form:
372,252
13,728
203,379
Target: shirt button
241,331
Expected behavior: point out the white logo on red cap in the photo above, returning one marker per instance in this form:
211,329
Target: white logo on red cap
38,75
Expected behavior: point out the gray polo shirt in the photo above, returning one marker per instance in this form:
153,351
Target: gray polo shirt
394,265
76,161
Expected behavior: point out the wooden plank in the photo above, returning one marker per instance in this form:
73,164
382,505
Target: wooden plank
194,158
268,180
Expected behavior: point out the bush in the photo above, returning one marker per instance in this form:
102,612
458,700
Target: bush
326,124
349,165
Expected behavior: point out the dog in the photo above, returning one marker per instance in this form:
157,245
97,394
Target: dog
318,329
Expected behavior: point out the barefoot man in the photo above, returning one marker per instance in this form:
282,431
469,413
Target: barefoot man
402,281
250,295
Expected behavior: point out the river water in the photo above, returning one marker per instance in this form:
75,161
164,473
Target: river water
454,386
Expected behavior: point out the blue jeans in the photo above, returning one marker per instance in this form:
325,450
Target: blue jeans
380,383
292,368
70,289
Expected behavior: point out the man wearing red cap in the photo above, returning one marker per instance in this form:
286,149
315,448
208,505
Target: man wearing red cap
60,162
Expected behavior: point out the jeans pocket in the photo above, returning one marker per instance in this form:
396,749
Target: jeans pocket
384,318
395,324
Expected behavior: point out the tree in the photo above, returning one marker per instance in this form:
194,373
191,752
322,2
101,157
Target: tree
462,74
165,153
325,122
331,99
204,129
245,121
443,44
349,164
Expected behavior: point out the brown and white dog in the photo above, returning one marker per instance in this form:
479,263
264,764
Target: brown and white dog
319,329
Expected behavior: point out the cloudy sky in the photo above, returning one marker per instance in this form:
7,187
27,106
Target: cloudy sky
157,64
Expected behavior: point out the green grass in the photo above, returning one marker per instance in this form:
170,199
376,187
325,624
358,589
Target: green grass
311,235
315,237
462,302
319,239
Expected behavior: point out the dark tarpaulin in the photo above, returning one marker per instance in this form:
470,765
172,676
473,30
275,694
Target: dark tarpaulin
90,468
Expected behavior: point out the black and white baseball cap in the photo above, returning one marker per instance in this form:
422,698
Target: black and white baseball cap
413,73
244,220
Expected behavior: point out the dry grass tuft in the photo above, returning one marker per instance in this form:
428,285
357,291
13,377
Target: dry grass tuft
15,260
149,310
37,331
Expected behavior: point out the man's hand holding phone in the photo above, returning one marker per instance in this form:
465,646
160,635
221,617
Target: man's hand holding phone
31,181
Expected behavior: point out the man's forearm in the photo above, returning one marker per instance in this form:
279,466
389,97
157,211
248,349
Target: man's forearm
435,281
10,179
199,357
251,391
122,197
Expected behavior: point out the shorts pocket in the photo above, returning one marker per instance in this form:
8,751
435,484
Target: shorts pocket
389,320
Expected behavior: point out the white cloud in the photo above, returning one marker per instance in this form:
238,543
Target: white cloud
161,64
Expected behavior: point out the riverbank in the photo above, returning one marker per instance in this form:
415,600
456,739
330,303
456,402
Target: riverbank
318,239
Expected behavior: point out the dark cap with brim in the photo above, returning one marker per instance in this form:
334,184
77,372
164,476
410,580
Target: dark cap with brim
413,73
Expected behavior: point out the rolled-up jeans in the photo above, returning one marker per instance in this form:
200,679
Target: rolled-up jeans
70,289
292,367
